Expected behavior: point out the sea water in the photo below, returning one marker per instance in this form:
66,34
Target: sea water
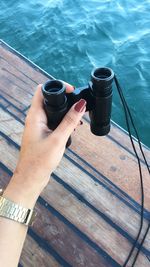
68,38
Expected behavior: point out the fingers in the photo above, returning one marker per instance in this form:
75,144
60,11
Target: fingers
36,112
70,121
69,87
37,100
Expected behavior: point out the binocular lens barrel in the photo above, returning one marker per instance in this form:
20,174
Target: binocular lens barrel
101,85
54,93
55,102
101,81
103,73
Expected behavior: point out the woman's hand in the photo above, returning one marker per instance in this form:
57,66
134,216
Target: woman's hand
41,149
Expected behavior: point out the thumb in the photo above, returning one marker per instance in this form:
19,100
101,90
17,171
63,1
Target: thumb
71,120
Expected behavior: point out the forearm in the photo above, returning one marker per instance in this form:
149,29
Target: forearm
12,233
11,242
41,152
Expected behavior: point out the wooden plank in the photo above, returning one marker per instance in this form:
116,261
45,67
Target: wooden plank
34,256
19,79
7,119
79,215
3,102
116,211
54,232
29,70
112,161
121,138
66,199
97,184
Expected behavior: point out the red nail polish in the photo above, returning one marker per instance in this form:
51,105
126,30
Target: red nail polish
80,105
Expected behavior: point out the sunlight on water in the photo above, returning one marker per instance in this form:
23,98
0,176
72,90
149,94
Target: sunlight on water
51,3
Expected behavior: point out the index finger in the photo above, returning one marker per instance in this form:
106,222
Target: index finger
69,87
37,100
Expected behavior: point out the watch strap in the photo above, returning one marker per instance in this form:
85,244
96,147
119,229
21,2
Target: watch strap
14,211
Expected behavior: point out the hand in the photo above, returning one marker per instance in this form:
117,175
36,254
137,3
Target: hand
41,148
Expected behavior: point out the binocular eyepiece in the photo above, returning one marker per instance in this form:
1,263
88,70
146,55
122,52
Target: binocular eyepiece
98,95
54,93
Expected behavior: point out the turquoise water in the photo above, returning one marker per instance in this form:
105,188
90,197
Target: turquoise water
68,38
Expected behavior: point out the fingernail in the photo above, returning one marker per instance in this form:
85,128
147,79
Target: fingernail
81,122
80,105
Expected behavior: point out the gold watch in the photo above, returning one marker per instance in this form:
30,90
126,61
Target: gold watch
15,212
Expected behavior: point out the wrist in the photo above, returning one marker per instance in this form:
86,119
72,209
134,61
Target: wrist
21,193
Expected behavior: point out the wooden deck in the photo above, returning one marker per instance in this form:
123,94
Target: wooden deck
89,213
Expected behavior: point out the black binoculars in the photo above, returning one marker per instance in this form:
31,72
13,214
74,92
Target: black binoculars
98,95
